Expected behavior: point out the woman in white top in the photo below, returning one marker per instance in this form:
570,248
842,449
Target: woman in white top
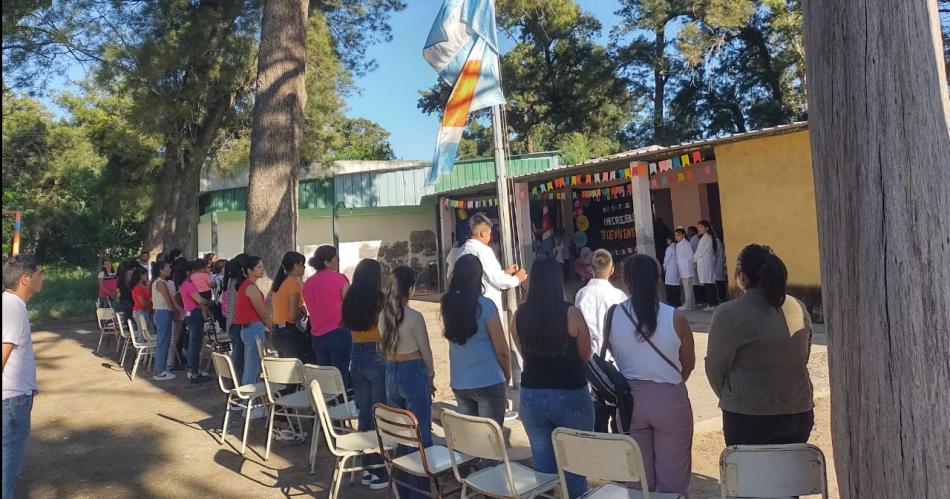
671,273
166,308
653,347
684,264
405,343
705,258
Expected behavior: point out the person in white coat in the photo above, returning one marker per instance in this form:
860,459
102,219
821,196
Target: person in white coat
671,274
705,258
684,264
494,278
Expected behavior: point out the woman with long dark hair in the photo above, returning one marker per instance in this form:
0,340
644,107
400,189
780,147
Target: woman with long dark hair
360,314
165,309
554,341
757,359
409,369
479,356
251,313
323,293
232,272
141,300
125,285
705,258
287,305
196,309
652,345
108,285
181,270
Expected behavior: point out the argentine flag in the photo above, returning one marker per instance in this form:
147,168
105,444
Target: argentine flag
463,48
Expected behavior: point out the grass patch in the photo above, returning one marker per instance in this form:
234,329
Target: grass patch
67,292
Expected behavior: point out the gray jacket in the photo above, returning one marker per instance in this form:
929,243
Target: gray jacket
757,358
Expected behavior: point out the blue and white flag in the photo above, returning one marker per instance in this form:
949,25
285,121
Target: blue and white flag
463,48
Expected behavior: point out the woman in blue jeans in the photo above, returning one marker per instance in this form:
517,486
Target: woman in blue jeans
252,314
552,336
409,369
323,294
479,356
165,310
233,271
361,306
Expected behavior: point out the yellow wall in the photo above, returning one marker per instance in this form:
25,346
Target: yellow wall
768,197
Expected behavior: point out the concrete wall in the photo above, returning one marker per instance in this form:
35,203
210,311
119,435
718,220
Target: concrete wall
407,238
768,197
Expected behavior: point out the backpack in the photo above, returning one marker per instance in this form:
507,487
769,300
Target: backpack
608,384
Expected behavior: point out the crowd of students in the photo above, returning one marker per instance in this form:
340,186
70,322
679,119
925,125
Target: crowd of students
694,267
758,343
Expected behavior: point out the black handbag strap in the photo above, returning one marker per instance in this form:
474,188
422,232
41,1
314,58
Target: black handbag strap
607,322
650,342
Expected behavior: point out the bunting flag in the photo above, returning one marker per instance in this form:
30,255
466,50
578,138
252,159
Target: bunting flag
463,48
697,157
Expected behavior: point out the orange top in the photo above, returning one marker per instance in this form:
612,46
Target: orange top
280,300
371,335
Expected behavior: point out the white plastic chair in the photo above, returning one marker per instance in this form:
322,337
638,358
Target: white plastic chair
123,337
332,386
105,316
603,456
241,395
483,438
285,372
773,471
144,349
346,446
401,427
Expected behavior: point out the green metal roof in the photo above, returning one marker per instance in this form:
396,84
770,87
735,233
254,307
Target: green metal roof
474,172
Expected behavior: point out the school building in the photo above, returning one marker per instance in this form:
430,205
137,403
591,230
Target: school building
753,187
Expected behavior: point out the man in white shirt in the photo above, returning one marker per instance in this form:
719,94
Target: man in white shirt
143,262
593,300
687,270
494,278
22,278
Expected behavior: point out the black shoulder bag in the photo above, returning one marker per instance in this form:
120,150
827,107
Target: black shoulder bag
608,384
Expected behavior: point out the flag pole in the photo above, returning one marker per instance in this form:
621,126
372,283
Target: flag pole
504,205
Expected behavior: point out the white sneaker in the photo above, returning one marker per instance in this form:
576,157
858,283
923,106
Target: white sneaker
709,308
164,376
367,478
684,308
284,434
204,372
511,415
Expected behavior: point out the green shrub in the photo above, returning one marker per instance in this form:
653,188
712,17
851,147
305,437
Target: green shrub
68,291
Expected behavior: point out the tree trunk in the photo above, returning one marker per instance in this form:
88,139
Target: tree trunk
156,220
182,209
659,85
880,138
276,132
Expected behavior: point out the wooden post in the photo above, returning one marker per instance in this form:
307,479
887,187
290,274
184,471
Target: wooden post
880,137
523,224
642,208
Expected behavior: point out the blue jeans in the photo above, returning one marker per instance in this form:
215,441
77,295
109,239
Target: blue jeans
16,432
196,333
334,349
250,333
408,387
237,352
543,410
486,402
163,329
368,373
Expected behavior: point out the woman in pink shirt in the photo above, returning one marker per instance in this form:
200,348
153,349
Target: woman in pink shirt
194,305
323,294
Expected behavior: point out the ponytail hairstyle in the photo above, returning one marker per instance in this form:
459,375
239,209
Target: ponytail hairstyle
322,257
247,265
642,274
234,268
364,298
764,270
460,308
711,231
403,280
290,260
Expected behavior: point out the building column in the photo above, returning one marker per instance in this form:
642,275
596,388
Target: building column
642,208
524,234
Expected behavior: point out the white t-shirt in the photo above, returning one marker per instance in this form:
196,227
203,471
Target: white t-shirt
593,300
19,375
494,278
637,359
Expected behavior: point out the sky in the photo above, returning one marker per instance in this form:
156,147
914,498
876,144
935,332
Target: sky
389,94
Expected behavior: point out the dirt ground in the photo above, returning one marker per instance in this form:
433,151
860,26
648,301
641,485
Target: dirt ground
97,434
